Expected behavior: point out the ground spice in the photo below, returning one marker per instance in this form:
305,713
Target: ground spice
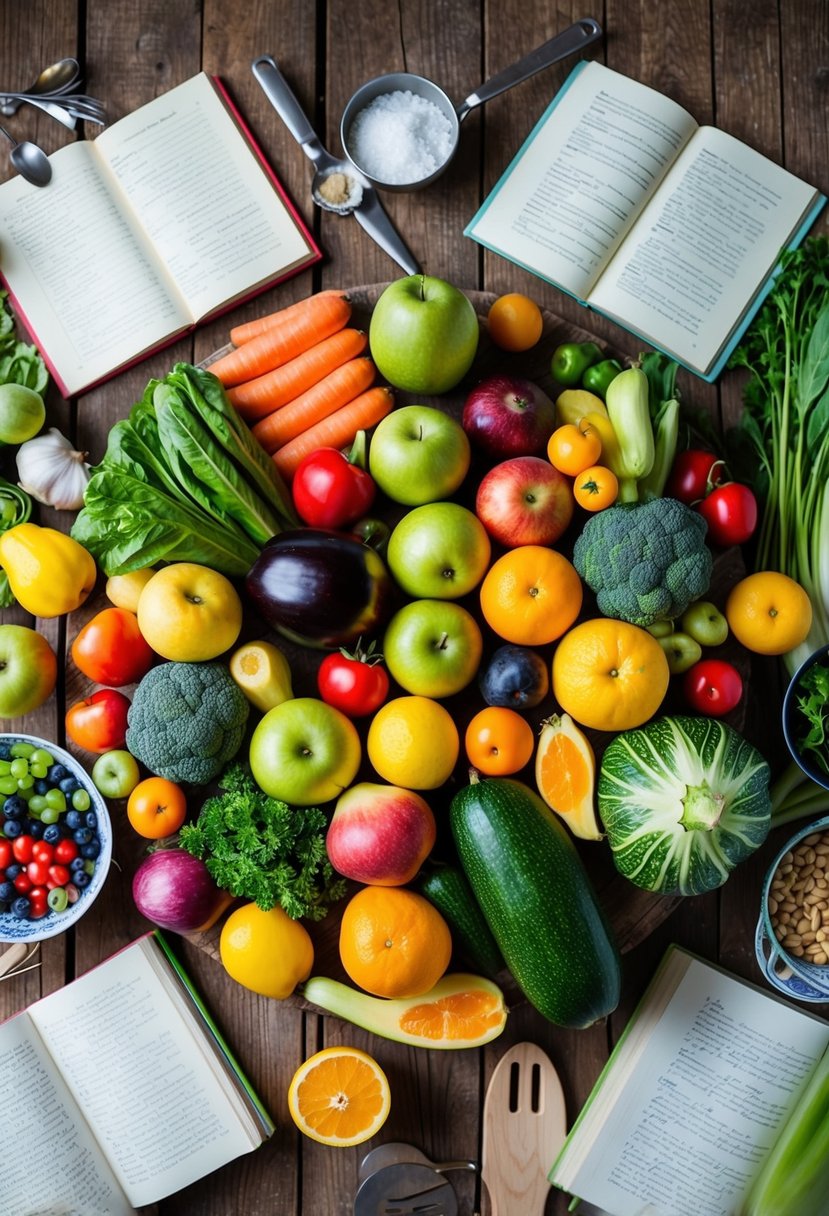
336,188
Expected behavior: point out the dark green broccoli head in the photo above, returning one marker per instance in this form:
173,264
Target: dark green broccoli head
645,561
186,721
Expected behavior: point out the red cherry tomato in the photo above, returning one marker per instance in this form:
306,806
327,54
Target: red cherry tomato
691,474
99,723
65,851
38,872
43,851
330,491
353,682
712,687
23,848
731,514
6,853
110,649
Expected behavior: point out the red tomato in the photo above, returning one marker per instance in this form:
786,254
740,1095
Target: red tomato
354,683
65,851
6,853
731,514
712,687
329,491
690,476
23,848
38,872
110,648
99,723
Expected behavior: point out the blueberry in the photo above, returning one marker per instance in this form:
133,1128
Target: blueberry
20,907
81,879
42,786
5,751
36,829
69,785
57,773
13,870
52,833
82,835
8,892
14,807
12,828
74,819
91,820
78,863
91,850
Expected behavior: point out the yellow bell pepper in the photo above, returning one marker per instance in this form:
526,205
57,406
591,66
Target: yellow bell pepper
49,573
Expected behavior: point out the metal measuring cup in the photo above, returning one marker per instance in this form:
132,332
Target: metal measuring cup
575,38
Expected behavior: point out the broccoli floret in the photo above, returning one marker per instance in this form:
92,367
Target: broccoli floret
645,561
186,721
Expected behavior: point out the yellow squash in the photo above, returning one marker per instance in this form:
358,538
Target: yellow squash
49,573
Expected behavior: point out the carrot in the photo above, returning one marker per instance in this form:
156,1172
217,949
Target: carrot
257,398
318,303
321,399
281,342
338,430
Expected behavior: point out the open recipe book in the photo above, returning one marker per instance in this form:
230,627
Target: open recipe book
670,229
696,1093
169,217
120,1090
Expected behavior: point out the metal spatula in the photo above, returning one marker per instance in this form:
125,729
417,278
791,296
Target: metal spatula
406,1189
524,1127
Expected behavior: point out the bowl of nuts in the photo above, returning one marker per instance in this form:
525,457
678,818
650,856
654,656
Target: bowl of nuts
792,940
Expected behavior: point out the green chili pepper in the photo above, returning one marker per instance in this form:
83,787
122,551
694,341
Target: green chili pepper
571,360
598,376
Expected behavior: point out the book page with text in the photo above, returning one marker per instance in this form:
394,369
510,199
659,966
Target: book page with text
80,269
566,201
70,1176
698,255
155,1106
720,1073
202,195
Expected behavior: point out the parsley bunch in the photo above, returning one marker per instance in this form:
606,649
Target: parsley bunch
262,849
813,703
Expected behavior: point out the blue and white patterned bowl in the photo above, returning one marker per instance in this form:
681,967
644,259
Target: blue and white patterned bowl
13,928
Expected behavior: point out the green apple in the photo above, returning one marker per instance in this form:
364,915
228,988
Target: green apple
705,623
22,413
116,773
305,752
28,670
681,650
433,648
438,551
423,334
418,454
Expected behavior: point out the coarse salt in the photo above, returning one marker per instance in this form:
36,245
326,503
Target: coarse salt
400,137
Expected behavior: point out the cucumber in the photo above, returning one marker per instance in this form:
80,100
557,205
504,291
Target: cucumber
532,888
446,887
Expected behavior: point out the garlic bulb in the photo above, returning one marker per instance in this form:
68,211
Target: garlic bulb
51,470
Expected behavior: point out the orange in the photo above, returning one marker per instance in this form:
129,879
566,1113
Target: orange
340,1096
393,942
769,612
515,322
460,1011
565,773
156,808
266,951
531,595
499,741
609,675
574,447
413,742
596,488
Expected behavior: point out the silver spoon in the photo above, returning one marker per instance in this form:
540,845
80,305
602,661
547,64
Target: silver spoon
55,79
29,160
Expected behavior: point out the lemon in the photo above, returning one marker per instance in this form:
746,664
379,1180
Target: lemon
22,413
413,742
124,590
340,1096
266,951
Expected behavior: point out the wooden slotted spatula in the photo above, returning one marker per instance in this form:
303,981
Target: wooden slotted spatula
525,1125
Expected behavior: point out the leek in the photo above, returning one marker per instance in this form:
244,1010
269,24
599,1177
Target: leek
794,1180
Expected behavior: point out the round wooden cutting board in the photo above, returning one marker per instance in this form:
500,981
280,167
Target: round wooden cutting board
633,913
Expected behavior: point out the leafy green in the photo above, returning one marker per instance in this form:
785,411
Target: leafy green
813,703
15,508
261,849
782,443
19,362
181,480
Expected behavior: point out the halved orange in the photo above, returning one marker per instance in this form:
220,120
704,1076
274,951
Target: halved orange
339,1096
565,773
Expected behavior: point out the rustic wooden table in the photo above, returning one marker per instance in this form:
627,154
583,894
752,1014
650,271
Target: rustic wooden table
761,75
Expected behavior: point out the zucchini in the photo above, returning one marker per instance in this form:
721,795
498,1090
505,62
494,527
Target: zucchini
529,881
446,887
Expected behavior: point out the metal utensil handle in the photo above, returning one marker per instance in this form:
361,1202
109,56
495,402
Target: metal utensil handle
282,98
52,108
575,38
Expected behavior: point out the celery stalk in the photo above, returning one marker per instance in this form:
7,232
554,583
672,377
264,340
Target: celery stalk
794,1180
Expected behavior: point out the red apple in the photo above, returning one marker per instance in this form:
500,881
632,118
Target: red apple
509,416
380,834
524,501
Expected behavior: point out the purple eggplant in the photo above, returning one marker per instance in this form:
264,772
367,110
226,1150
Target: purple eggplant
320,588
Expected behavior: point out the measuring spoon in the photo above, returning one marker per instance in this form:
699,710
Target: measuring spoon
575,38
360,198
29,160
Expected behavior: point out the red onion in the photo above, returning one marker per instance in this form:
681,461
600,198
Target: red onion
174,890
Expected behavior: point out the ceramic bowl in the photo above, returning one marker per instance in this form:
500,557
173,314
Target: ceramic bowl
795,724
15,929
